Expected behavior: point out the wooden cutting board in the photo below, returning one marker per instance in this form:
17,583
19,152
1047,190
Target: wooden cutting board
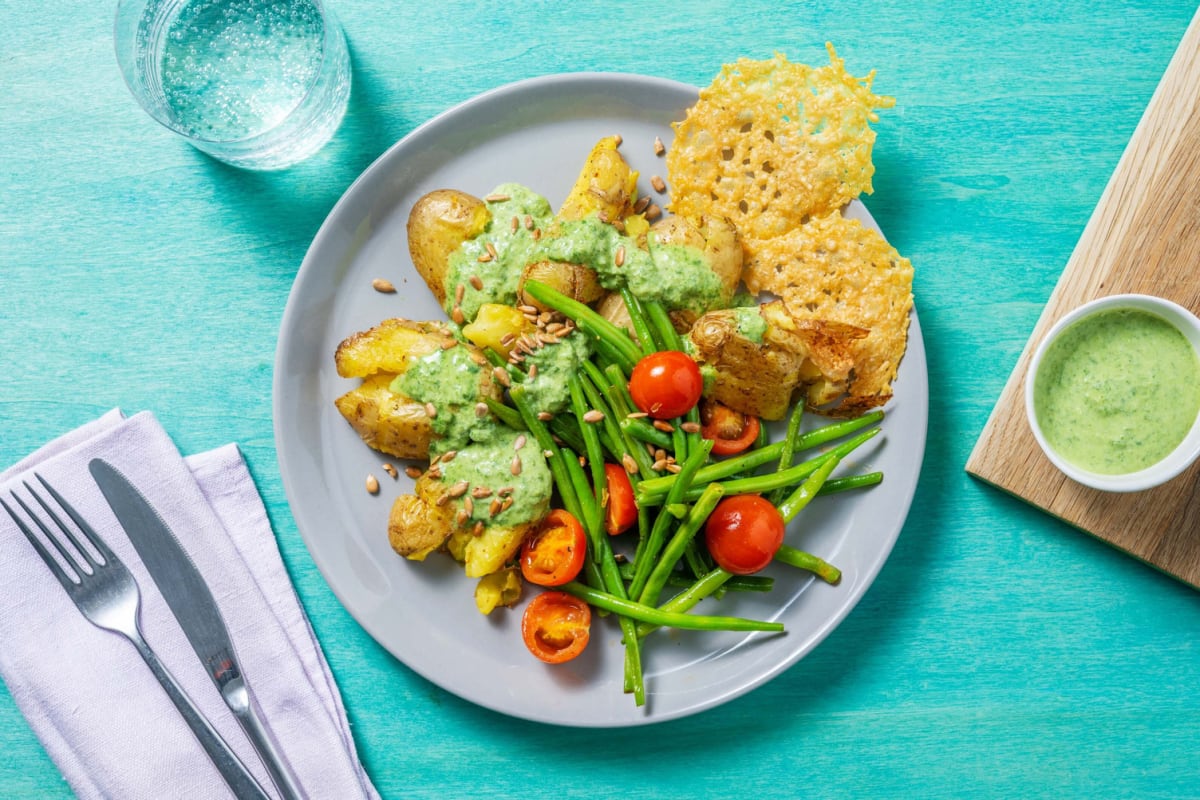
1144,236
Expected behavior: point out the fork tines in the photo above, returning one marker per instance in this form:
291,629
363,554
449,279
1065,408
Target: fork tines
79,558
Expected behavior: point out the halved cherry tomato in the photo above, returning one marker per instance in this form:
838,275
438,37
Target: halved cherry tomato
743,533
666,384
556,626
622,508
731,431
554,554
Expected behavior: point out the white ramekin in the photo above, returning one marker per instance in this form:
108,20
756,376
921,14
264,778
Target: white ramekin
1178,459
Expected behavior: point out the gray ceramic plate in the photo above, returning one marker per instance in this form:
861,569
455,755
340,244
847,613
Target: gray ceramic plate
536,132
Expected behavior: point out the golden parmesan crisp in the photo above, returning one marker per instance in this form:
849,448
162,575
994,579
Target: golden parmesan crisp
835,269
771,143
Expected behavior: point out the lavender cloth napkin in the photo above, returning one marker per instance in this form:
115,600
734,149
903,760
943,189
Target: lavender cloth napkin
87,694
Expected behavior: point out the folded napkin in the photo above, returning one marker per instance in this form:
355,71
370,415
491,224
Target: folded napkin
86,692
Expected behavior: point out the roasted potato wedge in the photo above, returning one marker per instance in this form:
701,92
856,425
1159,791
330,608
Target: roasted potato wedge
605,185
388,347
438,223
489,551
575,281
714,237
501,588
760,378
388,422
418,524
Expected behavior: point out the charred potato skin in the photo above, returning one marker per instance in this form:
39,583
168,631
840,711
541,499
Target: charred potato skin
438,224
749,377
420,523
715,237
573,280
388,422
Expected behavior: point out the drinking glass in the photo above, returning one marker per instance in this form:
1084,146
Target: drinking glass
259,84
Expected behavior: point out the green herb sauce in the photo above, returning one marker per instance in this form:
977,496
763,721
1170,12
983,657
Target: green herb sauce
547,391
1117,391
489,465
679,277
449,379
750,323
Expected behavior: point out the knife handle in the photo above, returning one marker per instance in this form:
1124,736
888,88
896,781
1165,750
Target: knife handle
237,697
243,784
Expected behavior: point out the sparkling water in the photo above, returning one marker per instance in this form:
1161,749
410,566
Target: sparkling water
254,82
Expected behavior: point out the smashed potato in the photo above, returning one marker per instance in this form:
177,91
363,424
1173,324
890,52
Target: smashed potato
834,268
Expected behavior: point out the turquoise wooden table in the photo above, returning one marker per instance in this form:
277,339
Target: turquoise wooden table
999,653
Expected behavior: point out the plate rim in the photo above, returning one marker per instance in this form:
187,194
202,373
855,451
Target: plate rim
283,354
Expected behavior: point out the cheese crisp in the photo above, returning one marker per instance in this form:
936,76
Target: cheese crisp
771,143
833,268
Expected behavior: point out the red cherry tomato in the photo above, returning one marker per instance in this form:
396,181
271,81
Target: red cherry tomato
622,510
554,554
730,431
666,384
743,533
556,626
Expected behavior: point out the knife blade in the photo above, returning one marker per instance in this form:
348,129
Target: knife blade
193,605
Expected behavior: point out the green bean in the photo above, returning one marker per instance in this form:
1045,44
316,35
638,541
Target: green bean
646,556
678,544
835,485
797,500
660,320
562,478
789,448
756,458
645,432
587,321
689,598
807,561
509,416
737,583
604,381
591,439
637,316
669,619
765,483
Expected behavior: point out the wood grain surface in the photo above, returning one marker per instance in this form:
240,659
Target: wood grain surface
999,653
1144,237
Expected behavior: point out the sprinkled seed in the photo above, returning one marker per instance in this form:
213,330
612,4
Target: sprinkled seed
619,257
528,222
537,234
660,465
449,344
516,223
528,310
515,469
516,357
485,257
636,415
545,318
477,357
476,282
658,183
391,471
630,465
501,375
497,198
458,316
458,489
505,491
653,212
690,427
462,516
533,370
469,505
545,416
674,469
617,138
520,442
546,338
555,328
481,410
442,500
478,529
593,416
506,505
448,456
413,472
480,492
548,453
372,484
508,338
430,410
583,461
660,455
659,147
641,204
383,285
495,506
459,292
491,248
665,427
435,473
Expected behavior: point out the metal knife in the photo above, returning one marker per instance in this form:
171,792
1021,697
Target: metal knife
192,603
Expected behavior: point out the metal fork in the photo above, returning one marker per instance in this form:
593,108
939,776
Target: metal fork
108,597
